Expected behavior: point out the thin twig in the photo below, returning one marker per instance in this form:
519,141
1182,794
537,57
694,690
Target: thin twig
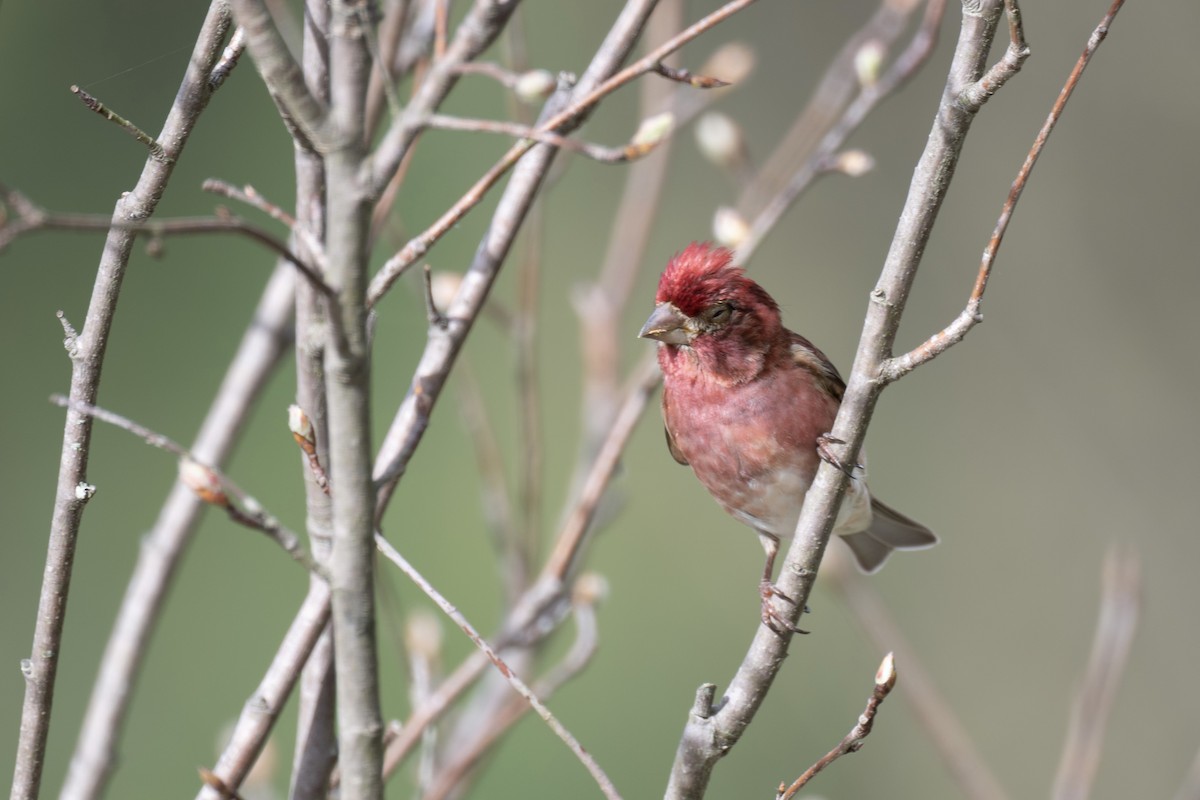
898,366
564,557
474,34
1120,607
527,620
305,115
32,218
691,79
262,346
229,59
249,195
605,155
210,484
852,742
840,82
572,115
933,711
264,706
489,462
156,149
821,160
710,734
582,649
315,750
87,361
517,684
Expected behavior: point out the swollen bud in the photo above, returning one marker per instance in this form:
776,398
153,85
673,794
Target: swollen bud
854,163
730,62
301,427
203,481
885,676
534,86
423,635
868,61
590,588
720,140
444,288
730,228
651,132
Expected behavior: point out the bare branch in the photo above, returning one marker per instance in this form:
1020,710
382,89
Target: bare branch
933,711
576,659
262,346
31,218
852,742
210,484
263,707
86,364
974,96
156,149
840,83
1120,607
706,740
821,160
560,122
474,34
517,684
302,112
250,196
640,146
691,79
229,59
564,557
898,366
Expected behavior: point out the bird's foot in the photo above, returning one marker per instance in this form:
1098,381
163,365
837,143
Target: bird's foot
825,444
770,616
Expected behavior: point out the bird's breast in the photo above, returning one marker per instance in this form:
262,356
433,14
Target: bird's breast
753,446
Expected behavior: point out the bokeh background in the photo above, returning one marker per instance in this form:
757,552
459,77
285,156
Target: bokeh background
1064,424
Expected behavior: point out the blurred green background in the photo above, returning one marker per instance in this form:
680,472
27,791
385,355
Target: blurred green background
1064,424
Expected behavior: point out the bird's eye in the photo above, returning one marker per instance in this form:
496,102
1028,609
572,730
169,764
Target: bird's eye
720,313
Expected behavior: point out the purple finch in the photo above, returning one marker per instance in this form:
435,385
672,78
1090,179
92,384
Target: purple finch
749,404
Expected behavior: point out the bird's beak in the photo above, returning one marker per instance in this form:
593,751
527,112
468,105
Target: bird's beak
666,324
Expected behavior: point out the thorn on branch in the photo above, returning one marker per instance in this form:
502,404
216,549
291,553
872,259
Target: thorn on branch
691,79
156,149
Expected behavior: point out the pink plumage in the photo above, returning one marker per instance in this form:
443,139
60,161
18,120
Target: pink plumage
746,402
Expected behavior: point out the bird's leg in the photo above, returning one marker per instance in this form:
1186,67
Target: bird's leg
769,591
825,444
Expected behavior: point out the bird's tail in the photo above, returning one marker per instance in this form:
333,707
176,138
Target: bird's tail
890,530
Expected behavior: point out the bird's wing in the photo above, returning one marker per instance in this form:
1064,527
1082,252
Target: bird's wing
675,454
808,357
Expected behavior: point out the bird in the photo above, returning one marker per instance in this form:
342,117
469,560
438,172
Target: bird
749,405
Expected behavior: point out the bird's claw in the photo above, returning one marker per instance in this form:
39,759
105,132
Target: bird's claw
825,443
772,618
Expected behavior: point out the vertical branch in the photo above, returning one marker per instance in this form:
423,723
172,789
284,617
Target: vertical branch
711,732
347,385
600,303
261,349
316,737
1120,607
87,359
